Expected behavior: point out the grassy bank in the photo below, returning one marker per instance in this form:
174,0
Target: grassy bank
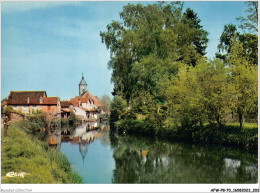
24,152
228,135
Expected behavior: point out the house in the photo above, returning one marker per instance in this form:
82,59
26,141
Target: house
86,106
66,107
29,101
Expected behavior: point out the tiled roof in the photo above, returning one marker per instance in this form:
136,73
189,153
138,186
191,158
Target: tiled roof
96,100
65,104
21,97
50,100
74,102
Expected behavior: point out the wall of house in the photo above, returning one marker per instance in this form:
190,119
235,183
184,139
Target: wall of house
81,113
91,106
54,109
27,109
22,108
91,115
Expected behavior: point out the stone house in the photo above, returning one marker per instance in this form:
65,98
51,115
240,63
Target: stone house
29,101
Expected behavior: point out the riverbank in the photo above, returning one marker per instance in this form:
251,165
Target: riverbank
24,152
229,135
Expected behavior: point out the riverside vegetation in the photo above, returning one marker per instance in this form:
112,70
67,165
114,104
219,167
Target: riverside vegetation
165,86
24,150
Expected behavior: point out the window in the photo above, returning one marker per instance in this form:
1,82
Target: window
28,100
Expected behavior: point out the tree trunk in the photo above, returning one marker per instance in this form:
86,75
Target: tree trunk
219,122
240,116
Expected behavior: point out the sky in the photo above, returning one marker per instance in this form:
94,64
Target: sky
48,45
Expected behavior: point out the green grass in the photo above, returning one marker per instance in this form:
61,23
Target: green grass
22,152
245,125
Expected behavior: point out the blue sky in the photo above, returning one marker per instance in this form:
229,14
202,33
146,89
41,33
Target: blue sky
48,45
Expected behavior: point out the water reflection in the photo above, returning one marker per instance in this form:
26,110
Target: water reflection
103,158
90,153
140,160
83,135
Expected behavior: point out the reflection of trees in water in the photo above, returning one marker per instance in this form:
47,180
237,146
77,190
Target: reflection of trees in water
104,139
179,163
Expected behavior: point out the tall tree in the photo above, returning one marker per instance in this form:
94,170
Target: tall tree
150,42
107,102
230,36
244,81
199,38
250,22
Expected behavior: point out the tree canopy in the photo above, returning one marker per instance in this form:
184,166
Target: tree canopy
161,74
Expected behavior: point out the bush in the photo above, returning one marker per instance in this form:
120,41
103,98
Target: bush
73,119
118,107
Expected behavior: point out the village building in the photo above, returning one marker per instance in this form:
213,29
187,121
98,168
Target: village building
66,107
86,106
28,101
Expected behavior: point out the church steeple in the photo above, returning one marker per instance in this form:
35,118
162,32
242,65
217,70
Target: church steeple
82,86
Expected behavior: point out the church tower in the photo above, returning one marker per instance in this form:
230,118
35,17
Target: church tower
82,86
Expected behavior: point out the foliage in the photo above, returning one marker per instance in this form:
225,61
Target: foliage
35,124
106,101
118,106
231,36
149,42
4,100
251,21
73,118
24,153
245,83
199,36
6,110
169,87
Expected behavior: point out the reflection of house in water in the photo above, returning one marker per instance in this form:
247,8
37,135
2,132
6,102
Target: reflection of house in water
104,126
83,135
54,139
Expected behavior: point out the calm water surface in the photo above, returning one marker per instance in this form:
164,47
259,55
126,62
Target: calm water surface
101,159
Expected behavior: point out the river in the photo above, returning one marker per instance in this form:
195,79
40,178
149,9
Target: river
101,158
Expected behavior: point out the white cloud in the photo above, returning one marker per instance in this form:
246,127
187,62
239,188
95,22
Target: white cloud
12,7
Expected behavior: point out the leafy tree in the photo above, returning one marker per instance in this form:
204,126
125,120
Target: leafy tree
118,106
250,47
200,94
250,22
229,33
149,43
249,42
244,79
4,100
107,102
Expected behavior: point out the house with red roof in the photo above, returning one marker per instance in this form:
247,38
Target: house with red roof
86,106
29,101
